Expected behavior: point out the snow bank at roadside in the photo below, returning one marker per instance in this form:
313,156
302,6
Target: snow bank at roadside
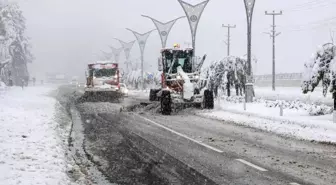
31,150
312,109
293,94
141,94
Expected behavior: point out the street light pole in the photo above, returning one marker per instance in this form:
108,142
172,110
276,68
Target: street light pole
163,28
116,53
106,55
142,39
127,46
193,13
249,92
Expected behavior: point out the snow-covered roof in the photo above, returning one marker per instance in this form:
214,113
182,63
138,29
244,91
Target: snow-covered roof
179,49
103,62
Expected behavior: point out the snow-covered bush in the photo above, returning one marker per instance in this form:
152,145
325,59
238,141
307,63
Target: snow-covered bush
285,104
312,109
235,99
317,110
321,67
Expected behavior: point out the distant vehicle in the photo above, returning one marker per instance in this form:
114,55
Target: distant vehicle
123,89
103,80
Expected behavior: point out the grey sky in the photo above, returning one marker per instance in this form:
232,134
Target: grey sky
67,33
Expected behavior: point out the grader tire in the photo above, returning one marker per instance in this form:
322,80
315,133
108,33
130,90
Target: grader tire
208,99
152,95
166,108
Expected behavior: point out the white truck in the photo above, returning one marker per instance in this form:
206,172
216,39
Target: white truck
103,81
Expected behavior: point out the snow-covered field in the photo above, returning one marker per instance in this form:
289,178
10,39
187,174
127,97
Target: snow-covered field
32,144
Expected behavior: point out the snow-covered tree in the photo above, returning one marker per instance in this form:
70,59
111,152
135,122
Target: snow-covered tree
15,46
230,71
321,67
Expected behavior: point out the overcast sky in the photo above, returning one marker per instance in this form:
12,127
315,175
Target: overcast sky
66,34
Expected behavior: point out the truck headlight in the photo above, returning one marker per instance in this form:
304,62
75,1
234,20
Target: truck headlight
196,77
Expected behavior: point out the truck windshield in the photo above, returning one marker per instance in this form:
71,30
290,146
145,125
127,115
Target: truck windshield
104,72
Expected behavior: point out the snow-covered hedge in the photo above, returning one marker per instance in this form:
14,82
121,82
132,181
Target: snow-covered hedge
312,109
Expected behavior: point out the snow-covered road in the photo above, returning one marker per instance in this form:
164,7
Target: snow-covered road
32,142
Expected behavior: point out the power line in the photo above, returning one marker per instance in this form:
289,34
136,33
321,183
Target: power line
309,5
228,37
311,25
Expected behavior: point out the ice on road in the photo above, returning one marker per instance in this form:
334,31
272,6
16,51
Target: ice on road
31,148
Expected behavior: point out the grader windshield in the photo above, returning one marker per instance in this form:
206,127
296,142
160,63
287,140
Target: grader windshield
173,58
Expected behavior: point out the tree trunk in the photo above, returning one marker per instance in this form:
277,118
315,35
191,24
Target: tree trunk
237,89
228,86
216,91
334,97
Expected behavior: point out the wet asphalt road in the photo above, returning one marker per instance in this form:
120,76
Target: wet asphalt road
140,147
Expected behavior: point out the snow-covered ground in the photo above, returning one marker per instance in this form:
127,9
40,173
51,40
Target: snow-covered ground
32,144
293,93
294,122
139,94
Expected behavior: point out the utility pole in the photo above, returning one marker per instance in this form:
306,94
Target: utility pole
228,37
273,34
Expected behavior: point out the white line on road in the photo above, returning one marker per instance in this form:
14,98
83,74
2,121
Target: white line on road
294,183
182,135
252,165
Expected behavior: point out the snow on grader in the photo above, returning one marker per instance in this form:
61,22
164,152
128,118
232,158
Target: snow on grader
102,82
181,82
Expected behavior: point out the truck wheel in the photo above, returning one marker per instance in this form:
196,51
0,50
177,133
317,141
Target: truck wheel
166,103
152,95
208,99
